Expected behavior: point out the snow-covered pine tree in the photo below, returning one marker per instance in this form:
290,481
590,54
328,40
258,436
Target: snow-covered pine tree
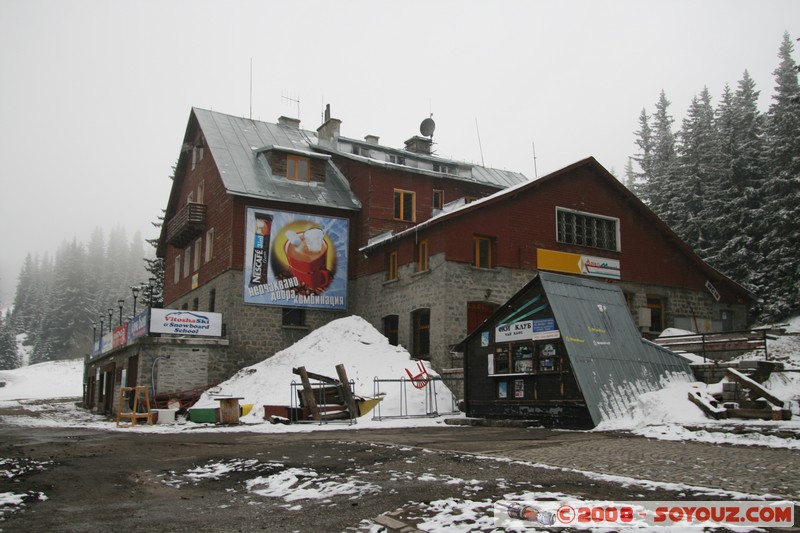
155,268
735,206
663,180
638,181
698,166
66,332
9,359
780,272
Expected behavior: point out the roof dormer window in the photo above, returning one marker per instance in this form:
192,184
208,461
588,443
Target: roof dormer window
298,168
444,169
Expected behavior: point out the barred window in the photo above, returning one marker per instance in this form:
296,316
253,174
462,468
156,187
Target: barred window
583,229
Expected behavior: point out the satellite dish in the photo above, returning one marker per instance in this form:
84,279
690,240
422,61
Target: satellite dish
427,127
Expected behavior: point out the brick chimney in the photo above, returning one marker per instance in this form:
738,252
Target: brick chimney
328,133
289,122
419,145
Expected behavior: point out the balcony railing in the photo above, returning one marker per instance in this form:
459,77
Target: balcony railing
186,224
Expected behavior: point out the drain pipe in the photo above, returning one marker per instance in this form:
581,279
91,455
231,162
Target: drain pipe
153,373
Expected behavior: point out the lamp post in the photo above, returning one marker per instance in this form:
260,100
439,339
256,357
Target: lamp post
120,302
94,334
135,292
110,316
101,327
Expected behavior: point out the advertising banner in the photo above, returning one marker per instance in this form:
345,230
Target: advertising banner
138,327
180,322
295,260
585,265
527,330
120,336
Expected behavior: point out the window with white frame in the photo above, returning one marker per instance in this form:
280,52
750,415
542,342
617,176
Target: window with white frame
586,229
187,261
176,275
197,249
209,245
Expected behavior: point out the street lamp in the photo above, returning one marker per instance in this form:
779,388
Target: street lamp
120,302
110,315
135,292
94,334
101,326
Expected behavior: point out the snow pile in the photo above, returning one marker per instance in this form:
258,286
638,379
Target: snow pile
353,342
54,379
668,414
666,406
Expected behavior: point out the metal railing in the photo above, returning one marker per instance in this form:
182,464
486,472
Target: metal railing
400,386
707,345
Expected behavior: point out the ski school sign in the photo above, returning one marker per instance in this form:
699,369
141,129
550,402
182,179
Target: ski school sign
180,322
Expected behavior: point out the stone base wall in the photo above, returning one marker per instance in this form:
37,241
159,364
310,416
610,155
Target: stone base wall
687,309
254,332
178,364
448,286
445,289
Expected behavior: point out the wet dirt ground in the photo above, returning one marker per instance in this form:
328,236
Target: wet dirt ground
343,480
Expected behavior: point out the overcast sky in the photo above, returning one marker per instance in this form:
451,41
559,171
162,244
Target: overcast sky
95,95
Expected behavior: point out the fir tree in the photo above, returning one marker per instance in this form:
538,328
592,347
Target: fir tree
9,359
780,275
155,268
698,166
66,331
662,181
735,208
638,182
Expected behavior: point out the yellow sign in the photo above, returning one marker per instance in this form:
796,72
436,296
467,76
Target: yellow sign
584,265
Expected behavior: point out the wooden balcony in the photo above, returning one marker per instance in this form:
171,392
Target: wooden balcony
187,224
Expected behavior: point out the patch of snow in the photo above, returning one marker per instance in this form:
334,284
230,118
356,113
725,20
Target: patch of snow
365,353
54,379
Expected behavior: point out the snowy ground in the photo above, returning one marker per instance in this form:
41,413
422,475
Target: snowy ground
48,393
366,354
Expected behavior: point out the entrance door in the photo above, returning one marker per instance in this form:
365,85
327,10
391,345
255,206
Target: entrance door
477,313
132,376
421,320
133,371
107,405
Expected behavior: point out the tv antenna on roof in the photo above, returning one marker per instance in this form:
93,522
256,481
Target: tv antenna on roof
295,100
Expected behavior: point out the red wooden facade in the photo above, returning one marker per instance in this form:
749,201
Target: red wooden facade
521,221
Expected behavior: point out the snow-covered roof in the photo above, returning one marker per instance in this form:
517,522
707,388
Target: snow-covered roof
236,143
423,163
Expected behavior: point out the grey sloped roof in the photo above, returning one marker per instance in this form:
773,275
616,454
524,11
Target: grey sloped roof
494,176
235,144
423,163
612,364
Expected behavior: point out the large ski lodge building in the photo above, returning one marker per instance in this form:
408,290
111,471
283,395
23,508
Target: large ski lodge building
280,230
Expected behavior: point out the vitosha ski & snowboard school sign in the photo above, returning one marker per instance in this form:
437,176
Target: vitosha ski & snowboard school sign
179,322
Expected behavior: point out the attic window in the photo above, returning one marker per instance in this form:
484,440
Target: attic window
297,168
358,150
445,169
585,229
197,152
396,159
